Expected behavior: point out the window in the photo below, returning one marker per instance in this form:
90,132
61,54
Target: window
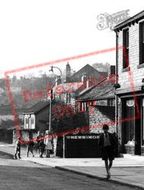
111,102
130,116
26,120
141,42
142,121
84,106
125,48
68,98
32,122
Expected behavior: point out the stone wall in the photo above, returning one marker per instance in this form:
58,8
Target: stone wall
100,115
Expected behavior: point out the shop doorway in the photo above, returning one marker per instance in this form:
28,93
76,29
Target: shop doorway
131,125
138,120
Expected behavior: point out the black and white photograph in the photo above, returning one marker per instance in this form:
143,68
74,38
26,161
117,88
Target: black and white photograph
71,95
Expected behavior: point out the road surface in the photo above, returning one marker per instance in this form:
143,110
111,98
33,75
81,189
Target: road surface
24,175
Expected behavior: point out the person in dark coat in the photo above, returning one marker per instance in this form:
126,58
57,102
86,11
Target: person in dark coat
30,147
41,146
107,143
37,147
18,149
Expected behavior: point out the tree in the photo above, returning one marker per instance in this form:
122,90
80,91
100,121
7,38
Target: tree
65,119
60,111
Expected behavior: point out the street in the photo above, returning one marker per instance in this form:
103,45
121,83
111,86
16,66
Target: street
21,175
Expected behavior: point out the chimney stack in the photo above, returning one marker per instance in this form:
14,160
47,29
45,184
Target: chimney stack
68,72
111,70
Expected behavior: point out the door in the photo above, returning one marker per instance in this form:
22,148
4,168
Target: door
128,121
138,123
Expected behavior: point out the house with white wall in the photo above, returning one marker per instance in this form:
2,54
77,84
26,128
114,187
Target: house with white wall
130,83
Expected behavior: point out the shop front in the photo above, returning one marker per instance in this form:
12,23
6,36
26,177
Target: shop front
132,124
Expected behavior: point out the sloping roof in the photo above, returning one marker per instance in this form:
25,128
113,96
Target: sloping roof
67,87
7,110
86,90
89,71
38,107
127,22
103,90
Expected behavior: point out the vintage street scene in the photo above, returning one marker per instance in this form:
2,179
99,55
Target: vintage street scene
71,95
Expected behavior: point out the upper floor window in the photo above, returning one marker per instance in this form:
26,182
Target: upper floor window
141,42
68,98
125,48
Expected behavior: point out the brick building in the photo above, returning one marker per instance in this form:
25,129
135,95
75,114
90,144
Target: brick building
130,81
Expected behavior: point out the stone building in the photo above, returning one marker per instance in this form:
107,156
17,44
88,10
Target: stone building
99,101
130,83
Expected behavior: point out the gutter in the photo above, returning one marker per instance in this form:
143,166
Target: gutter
116,82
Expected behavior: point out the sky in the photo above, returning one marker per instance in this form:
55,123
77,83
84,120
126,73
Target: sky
40,31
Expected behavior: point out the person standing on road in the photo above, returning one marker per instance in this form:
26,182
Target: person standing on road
41,146
18,149
30,147
48,144
37,149
107,143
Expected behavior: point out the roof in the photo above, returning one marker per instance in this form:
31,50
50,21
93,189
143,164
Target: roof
103,90
71,87
7,110
129,21
87,70
86,90
38,107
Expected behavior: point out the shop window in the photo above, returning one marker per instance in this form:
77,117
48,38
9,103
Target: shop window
129,128
143,121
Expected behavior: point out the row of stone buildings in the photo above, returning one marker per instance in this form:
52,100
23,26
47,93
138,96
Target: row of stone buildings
115,98
120,102
129,92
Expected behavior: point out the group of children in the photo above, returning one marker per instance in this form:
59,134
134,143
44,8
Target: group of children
108,143
41,145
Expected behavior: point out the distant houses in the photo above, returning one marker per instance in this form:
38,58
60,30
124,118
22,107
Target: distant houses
34,115
81,80
7,124
99,101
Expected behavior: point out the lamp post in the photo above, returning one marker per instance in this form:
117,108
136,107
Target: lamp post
51,94
50,111
55,67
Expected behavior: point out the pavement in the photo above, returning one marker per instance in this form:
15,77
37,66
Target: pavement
128,170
